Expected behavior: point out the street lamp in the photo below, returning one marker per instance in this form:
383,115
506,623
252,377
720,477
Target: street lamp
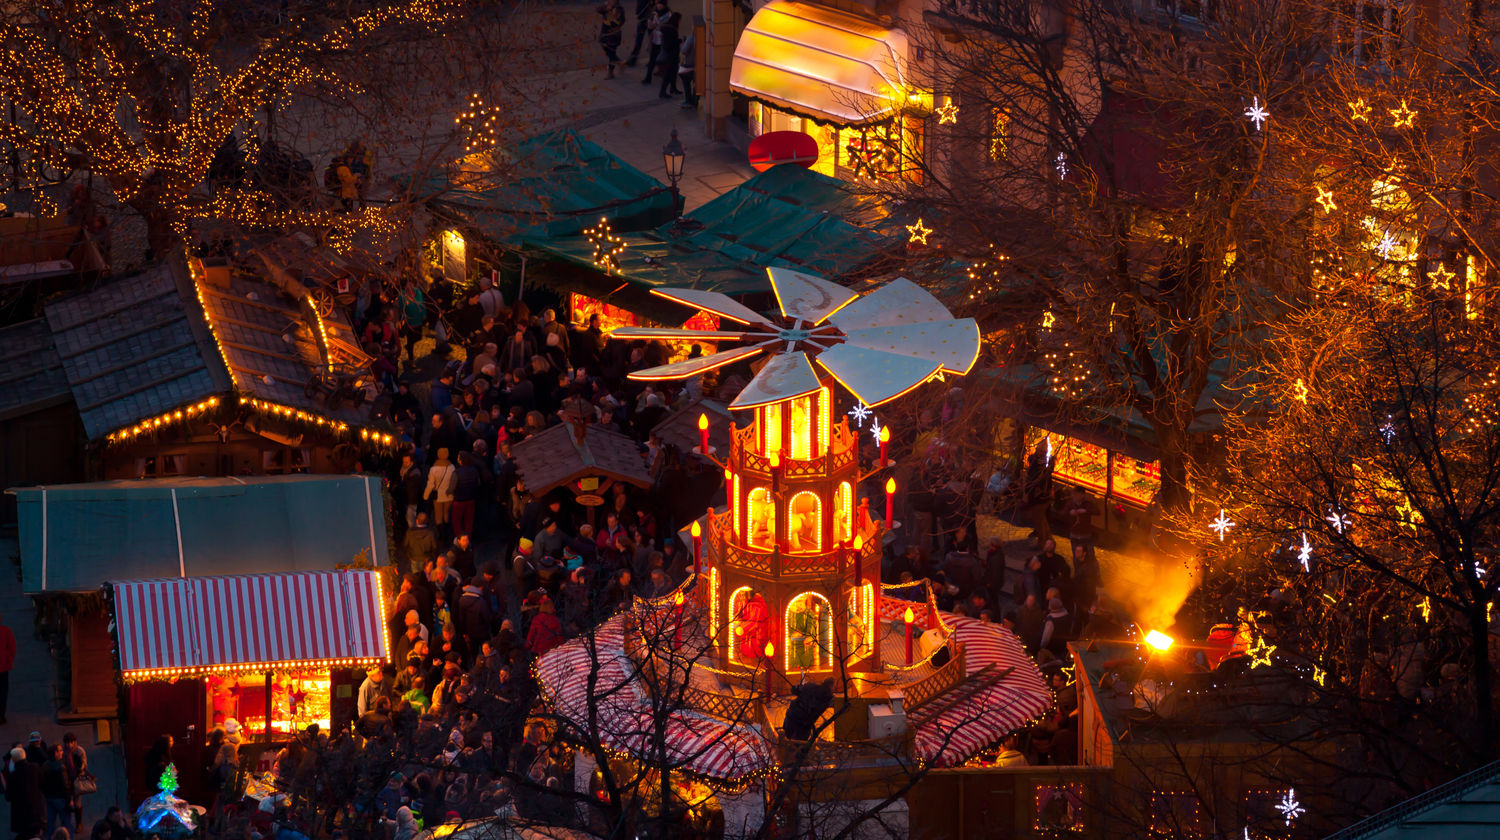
672,154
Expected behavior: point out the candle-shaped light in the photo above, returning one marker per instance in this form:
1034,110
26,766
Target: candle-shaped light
677,605
908,617
703,434
890,502
770,659
697,533
885,438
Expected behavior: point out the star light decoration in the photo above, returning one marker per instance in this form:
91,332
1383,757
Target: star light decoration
1304,553
1339,521
1402,116
918,233
860,413
1325,200
1060,163
1257,113
1441,277
1359,110
607,246
1319,675
947,114
1260,654
1290,807
1388,430
1221,525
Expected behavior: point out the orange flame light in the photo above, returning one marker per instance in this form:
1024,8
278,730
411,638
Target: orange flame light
696,530
908,616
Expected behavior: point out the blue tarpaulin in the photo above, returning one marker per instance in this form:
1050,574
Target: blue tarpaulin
74,537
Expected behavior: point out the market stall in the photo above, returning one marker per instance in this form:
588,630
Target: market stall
274,653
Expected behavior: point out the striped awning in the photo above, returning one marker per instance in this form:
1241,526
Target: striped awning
175,626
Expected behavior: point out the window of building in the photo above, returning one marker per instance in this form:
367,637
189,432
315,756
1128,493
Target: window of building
1175,814
809,632
762,516
862,621
843,512
749,625
805,523
999,135
1057,808
1369,31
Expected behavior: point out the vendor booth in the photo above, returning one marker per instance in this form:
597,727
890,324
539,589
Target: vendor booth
274,653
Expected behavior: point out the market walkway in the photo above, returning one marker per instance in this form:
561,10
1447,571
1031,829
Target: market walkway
35,696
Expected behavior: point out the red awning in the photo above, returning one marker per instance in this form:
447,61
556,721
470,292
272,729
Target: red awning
181,625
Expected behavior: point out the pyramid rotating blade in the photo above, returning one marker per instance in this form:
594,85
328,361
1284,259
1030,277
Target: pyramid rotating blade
809,298
693,367
873,376
952,344
675,332
897,302
715,302
784,377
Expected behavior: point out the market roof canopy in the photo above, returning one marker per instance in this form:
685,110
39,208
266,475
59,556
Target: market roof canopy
197,624
554,457
74,537
820,62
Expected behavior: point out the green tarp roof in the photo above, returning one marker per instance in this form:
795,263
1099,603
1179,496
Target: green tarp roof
74,537
554,184
786,216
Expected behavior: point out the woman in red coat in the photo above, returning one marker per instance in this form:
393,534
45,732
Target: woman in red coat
546,630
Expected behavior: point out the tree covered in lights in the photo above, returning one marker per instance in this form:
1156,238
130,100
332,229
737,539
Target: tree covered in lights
197,111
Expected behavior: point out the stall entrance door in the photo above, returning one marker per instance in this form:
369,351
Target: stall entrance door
153,709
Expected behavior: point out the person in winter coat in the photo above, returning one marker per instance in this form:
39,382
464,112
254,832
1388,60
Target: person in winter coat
406,824
420,543
687,71
466,484
659,15
546,630
474,617
671,53
412,484
23,790
440,487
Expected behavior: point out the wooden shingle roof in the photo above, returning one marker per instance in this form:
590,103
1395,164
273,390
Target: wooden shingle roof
680,428
130,350
554,457
31,374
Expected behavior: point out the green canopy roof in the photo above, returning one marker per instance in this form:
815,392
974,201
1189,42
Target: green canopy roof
74,537
553,184
786,216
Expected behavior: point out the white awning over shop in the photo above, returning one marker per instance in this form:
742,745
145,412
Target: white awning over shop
819,62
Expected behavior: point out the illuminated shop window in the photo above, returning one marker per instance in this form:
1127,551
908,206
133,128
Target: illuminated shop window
1058,809
999,135
805,523
809,632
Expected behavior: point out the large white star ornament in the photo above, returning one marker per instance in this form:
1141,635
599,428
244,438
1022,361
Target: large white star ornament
1290,807
1257,113
1221,525
1387,246
860,413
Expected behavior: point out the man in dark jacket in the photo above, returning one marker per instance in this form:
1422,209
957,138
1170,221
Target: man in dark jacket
475,620
420,544
467,481
23,790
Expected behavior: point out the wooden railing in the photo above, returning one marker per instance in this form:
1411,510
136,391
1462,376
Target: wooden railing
944,679
842,451
790,566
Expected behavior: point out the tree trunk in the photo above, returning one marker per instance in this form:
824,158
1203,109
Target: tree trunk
1172,446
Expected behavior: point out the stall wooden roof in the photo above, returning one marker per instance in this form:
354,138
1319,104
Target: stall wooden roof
31,374
554,457
680,428
131,350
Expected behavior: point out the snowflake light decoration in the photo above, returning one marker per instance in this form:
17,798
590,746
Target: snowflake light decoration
1339,521
875,429
919,233
1388,430
1257,113
1304,553
860,413
1221,525
1290,807
607,246
947,113
1060,163
1387,245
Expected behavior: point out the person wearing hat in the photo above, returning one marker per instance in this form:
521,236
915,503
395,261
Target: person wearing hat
1055,627
521,564
440,487
37,751
551,539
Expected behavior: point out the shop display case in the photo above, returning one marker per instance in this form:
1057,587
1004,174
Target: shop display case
1107,474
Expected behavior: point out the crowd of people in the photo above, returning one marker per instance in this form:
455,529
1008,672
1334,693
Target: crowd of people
45,785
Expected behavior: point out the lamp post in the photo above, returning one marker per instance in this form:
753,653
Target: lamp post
672,154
